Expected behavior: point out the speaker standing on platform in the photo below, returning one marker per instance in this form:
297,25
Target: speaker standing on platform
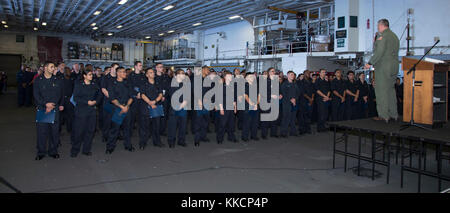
386,64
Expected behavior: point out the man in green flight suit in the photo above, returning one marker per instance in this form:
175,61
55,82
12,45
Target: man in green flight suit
386,65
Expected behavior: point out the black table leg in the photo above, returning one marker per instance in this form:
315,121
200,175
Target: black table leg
345,150
388,158
402,162
420,167
334,148
359,152
373,156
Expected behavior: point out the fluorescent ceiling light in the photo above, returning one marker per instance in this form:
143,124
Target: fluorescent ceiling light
196,24
123,1
44,23
170,31
95,28
97,12
147,37
35,29
110,34
3,22
168,7
234,17
161,34
6,26
93,24
120,26
36,19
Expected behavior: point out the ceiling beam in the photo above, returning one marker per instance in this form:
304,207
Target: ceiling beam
90,14
82,12
155,12
52,9
127,11
132,29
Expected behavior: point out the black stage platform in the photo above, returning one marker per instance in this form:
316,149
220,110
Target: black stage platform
411,144
439,134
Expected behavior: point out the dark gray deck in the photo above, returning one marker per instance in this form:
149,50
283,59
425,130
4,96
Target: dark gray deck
297,164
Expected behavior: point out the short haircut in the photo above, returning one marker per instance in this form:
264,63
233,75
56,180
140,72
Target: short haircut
47,63
120,68
337,70
322,69
384,22
137,62
146,70
290,71
179,71
158,64
350,72
114,64
205,67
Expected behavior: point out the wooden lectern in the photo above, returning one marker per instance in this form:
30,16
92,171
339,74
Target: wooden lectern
430,98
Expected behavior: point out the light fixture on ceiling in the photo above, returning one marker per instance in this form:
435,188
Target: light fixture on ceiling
35,29
170,31
96,13
161,34
6,26
123,1
120,26
93,24
95,28
147,37
168,7
110,34
36,19
44,23
234,17
197,24
3,22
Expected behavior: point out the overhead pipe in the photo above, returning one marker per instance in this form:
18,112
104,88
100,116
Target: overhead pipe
223,11
215,23
91,12
106,23
143,11
125,19
153,8
103,17
200,16
82,12
158,17
70,9
52,9
59,18
243,11
84,27
183,25
193,15
41,8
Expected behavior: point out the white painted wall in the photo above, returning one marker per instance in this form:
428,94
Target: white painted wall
430,19
233,45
